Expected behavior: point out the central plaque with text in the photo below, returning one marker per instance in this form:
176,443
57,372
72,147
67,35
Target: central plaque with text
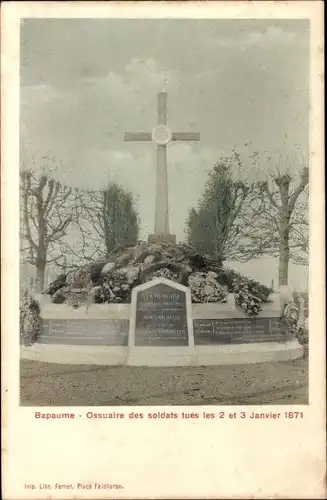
161,316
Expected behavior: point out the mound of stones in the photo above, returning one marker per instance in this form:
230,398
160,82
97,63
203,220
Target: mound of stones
111,279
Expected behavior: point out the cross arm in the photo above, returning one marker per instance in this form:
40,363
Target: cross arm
137,136
185,136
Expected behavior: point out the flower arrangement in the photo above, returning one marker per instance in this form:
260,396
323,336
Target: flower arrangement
79,278
164,272
245,298
208,280
291,318
112,291
205,287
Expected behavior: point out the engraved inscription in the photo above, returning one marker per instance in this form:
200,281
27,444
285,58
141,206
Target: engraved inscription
161,318
85,332
238,331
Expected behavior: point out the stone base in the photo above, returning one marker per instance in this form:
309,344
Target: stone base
238,354
245,354
162,238
160,356
75,354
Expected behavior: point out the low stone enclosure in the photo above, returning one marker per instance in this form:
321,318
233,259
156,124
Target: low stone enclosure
159,304
162,327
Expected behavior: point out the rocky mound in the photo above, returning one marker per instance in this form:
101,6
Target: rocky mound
111,279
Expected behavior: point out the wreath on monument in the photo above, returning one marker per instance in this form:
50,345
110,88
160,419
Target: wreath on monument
246,296
111,279
291,318
205,287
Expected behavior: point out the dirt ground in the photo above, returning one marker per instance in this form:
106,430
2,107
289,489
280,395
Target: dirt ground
48,384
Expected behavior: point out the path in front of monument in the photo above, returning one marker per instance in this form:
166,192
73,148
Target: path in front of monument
48,384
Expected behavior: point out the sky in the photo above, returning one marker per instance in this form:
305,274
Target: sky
85,82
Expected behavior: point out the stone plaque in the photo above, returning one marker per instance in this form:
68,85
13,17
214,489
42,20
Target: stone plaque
161,314
238,331
110,332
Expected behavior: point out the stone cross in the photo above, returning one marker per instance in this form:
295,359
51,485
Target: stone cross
162,136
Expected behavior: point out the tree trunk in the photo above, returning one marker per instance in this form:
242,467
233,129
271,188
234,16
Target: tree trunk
283,269
284,256
285,213
40,274
106,223
41,258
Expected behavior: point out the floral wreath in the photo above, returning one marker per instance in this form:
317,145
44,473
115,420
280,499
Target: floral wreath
291,317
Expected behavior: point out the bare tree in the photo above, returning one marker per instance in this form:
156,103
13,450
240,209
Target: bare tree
47,208
277,223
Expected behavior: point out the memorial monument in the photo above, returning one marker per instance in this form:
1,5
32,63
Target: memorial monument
159,303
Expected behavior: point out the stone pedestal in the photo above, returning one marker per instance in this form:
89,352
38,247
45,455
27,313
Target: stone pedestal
162,238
